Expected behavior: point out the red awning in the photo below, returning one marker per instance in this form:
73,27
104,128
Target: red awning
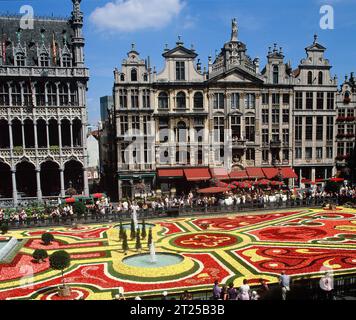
238,174
288,173
170,173
197,174
270,173
213,190
255,173
219,173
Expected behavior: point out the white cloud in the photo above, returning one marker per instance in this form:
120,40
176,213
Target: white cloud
134,15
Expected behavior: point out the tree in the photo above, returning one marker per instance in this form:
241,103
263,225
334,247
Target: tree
121,232
4,228
47,238
133,231
39,255
332,186
79,209
144,233
138,240
60,260
149,241
125,245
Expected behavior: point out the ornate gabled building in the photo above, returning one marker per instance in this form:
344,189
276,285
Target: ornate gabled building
43,116
193,121
346,129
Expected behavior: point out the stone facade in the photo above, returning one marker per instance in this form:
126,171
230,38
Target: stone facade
43,116
230,114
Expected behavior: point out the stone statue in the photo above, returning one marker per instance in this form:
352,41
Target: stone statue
234,30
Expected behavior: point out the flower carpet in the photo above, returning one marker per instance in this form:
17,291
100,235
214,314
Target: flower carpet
229,248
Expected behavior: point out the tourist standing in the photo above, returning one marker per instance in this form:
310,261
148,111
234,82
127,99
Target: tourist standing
216,290
232,292
244,291
327,286
284,281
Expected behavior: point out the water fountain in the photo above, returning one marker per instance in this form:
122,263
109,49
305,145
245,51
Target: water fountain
153,253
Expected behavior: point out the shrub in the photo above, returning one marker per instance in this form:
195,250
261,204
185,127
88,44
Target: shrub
47,238
60,260
133,231
125,245
144,233
40,255
4,228
149,241
121,232
138,240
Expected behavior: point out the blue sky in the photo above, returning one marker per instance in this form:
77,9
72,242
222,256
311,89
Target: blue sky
111,27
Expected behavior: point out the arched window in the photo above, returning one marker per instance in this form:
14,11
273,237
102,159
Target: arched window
310,77
20,60
66,61
181,101
181,132
133,75
44,60
320,78
163,100
122,77
275,74
198,100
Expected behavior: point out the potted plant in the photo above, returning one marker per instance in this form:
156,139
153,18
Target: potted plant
60,260
47,238
39,255
4,228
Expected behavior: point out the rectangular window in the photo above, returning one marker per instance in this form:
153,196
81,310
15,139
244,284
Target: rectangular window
250,101
236,127
340,149
250,154
298,153
180,71
330,101
4,94
275,99
349,148
123,98
299,100
265,116
124,125
286,136
134,99
298,128
275,116
146,104
330,128
16,94
308,153
329,152
265,155
275,135
308,128
219,126
163,130
135,124
250,129
285,155
309,100
319,128
219,101
285,98
235,101
285,116
319,153
265,98
320,100
265,136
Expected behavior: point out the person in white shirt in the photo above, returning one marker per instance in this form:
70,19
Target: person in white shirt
244,291
327,286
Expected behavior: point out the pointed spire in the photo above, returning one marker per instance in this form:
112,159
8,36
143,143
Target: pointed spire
18,35
275,47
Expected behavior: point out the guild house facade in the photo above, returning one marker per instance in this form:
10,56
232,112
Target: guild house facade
43,116
187,124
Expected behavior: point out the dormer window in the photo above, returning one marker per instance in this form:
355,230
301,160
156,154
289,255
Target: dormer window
320,78
145,77
275,74
347,99
310,77
133,75
20,60
44,60
66,61
180,71
122,77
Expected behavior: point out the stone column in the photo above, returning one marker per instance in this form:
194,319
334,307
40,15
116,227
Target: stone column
71,134
23,135
47,134
14,187
35,134
60,136
61,174
11,137
86,185
38,179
